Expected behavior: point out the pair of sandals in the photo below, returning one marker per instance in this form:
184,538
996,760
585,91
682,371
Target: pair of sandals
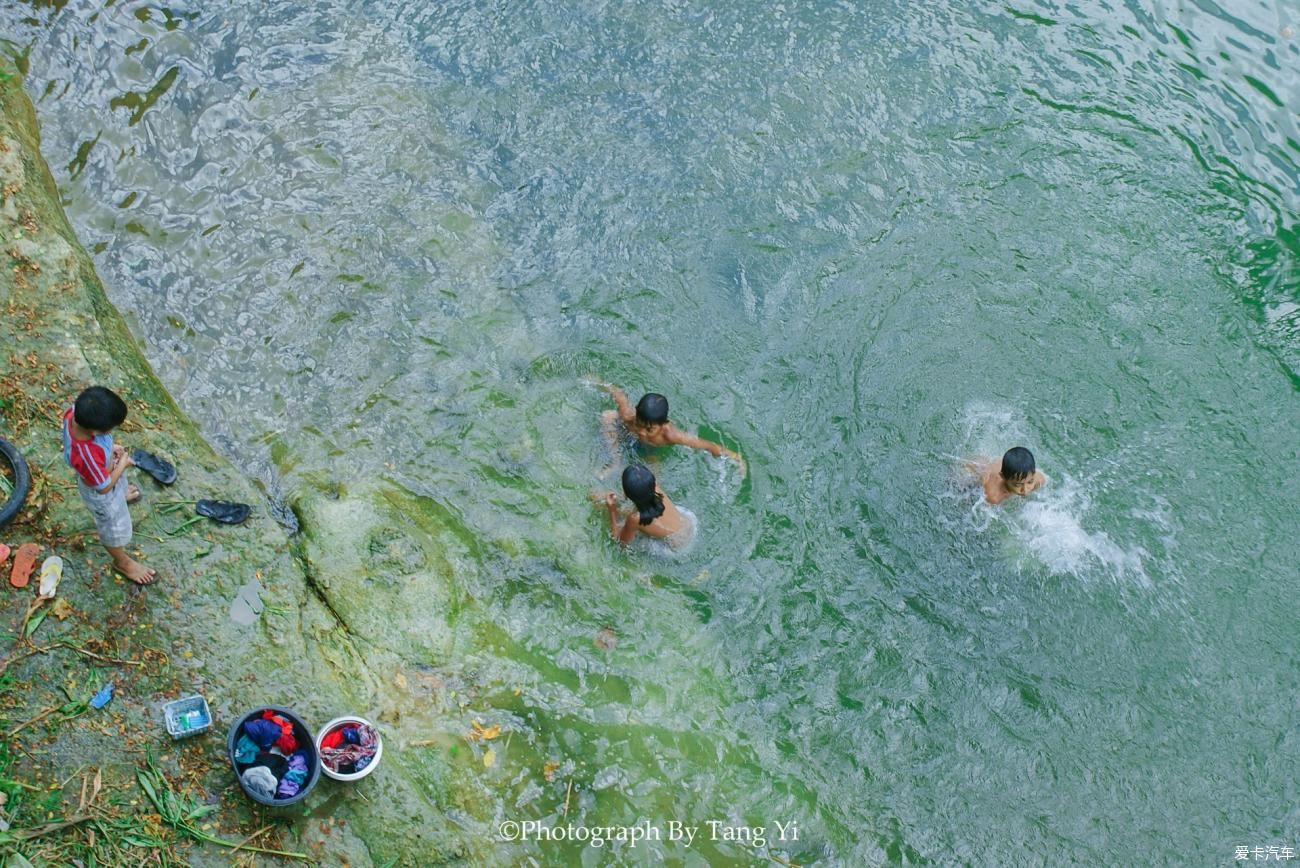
25,564
224,511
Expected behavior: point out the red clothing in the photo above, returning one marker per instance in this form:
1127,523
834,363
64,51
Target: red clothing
286,742
88,457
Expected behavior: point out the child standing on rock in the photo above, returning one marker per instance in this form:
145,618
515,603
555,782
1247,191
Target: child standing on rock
101,474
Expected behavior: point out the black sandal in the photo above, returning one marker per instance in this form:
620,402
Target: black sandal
159,468
223,511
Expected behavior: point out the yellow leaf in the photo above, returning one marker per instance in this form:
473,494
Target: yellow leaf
478,732
489,758
61,609
548,770
400,680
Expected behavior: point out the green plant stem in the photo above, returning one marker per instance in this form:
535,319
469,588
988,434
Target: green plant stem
181,527
172,808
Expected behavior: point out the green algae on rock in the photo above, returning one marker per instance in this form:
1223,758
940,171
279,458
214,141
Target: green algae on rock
60,334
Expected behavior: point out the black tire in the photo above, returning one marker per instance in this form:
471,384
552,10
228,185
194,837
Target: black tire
22,479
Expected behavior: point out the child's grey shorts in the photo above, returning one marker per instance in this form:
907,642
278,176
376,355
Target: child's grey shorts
112,518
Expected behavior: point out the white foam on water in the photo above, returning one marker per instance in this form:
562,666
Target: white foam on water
1050,527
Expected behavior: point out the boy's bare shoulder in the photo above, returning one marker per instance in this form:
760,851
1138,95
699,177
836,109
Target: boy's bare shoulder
994,493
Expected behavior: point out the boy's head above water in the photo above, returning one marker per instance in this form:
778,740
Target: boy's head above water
98,409
1018,470
639,486
652,409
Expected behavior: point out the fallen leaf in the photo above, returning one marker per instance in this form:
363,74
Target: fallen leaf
478,732
489,758
430,680
35,622
61,609
605,638
400,680
548,770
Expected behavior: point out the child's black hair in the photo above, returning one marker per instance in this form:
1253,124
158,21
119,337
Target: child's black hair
1017,464
639,486
99,409
652,409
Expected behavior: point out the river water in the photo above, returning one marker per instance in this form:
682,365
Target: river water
856,242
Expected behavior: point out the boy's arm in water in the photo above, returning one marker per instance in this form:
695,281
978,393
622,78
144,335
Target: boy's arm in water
609,431
717,450
622,535
626,411
609,422
629,528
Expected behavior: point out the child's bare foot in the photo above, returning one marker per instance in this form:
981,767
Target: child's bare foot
135,571
133,492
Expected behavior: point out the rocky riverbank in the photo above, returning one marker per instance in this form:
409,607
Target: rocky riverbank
316,621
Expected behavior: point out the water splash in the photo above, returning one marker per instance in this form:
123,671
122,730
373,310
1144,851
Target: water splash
1050,528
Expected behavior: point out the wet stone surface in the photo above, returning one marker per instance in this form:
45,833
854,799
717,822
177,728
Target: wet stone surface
244,615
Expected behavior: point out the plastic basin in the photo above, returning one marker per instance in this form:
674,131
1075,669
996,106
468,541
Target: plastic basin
338,722
305,741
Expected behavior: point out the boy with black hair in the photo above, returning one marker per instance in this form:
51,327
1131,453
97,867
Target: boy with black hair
649,424
1017,475
101,474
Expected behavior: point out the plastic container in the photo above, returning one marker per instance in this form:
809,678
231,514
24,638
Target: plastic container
338,723
187,716
305,741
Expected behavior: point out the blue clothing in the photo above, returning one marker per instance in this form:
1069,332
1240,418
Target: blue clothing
245,750
262,732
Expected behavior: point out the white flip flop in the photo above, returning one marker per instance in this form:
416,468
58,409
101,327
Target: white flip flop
51,573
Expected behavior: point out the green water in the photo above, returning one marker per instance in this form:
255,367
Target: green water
857,243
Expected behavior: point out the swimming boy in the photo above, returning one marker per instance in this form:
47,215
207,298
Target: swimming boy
1017,475
655,514
101,474
649,424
